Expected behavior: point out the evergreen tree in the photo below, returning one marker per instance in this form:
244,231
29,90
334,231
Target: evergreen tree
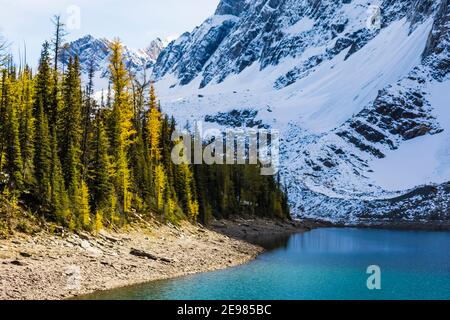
3,118
86,118
42,158
122,130
27,122
57,41
83,208
13,165
160,182
59,198
42,142
44,84
70,131
100,168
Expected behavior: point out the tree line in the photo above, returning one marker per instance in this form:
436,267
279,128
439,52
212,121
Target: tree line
88,164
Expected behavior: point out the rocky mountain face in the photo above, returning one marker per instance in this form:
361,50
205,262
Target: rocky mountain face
188,55
96,51
358,89
436,53
267,31
232,7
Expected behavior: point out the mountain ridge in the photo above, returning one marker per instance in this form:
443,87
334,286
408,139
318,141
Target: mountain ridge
93,50
349,100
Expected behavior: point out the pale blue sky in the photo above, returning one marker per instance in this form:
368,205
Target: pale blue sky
136,22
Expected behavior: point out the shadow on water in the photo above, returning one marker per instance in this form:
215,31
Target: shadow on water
270,234
269,241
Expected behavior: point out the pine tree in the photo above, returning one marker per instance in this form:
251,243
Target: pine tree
205,213
3,122
57,41
168,127
192,206
100,168
13,152
3,51
141,169
71,139
70,131
139,155
84,210
44,83
59,197
42,158
186,190
86,118
42,142
27,122
108,97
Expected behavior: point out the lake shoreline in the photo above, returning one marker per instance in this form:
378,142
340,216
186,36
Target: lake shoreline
411,266
48,267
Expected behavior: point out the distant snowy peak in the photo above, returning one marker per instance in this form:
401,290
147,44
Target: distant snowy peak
90,50
154,49
187,56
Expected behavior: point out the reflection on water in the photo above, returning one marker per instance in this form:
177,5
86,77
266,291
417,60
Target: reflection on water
321,264
270,241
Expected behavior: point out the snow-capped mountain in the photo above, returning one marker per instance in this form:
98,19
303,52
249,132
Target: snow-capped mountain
359,90
92,50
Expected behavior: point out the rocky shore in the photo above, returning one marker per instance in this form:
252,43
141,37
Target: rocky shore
45,266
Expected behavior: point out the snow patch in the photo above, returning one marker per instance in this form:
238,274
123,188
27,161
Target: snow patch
303,25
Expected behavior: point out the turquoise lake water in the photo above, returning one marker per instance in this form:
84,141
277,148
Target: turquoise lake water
321,264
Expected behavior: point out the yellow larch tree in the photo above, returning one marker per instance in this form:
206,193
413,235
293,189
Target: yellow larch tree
154,126
122,123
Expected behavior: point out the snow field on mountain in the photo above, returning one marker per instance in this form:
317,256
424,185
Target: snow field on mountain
424,160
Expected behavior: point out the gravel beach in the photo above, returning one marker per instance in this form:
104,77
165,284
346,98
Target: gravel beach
52,267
